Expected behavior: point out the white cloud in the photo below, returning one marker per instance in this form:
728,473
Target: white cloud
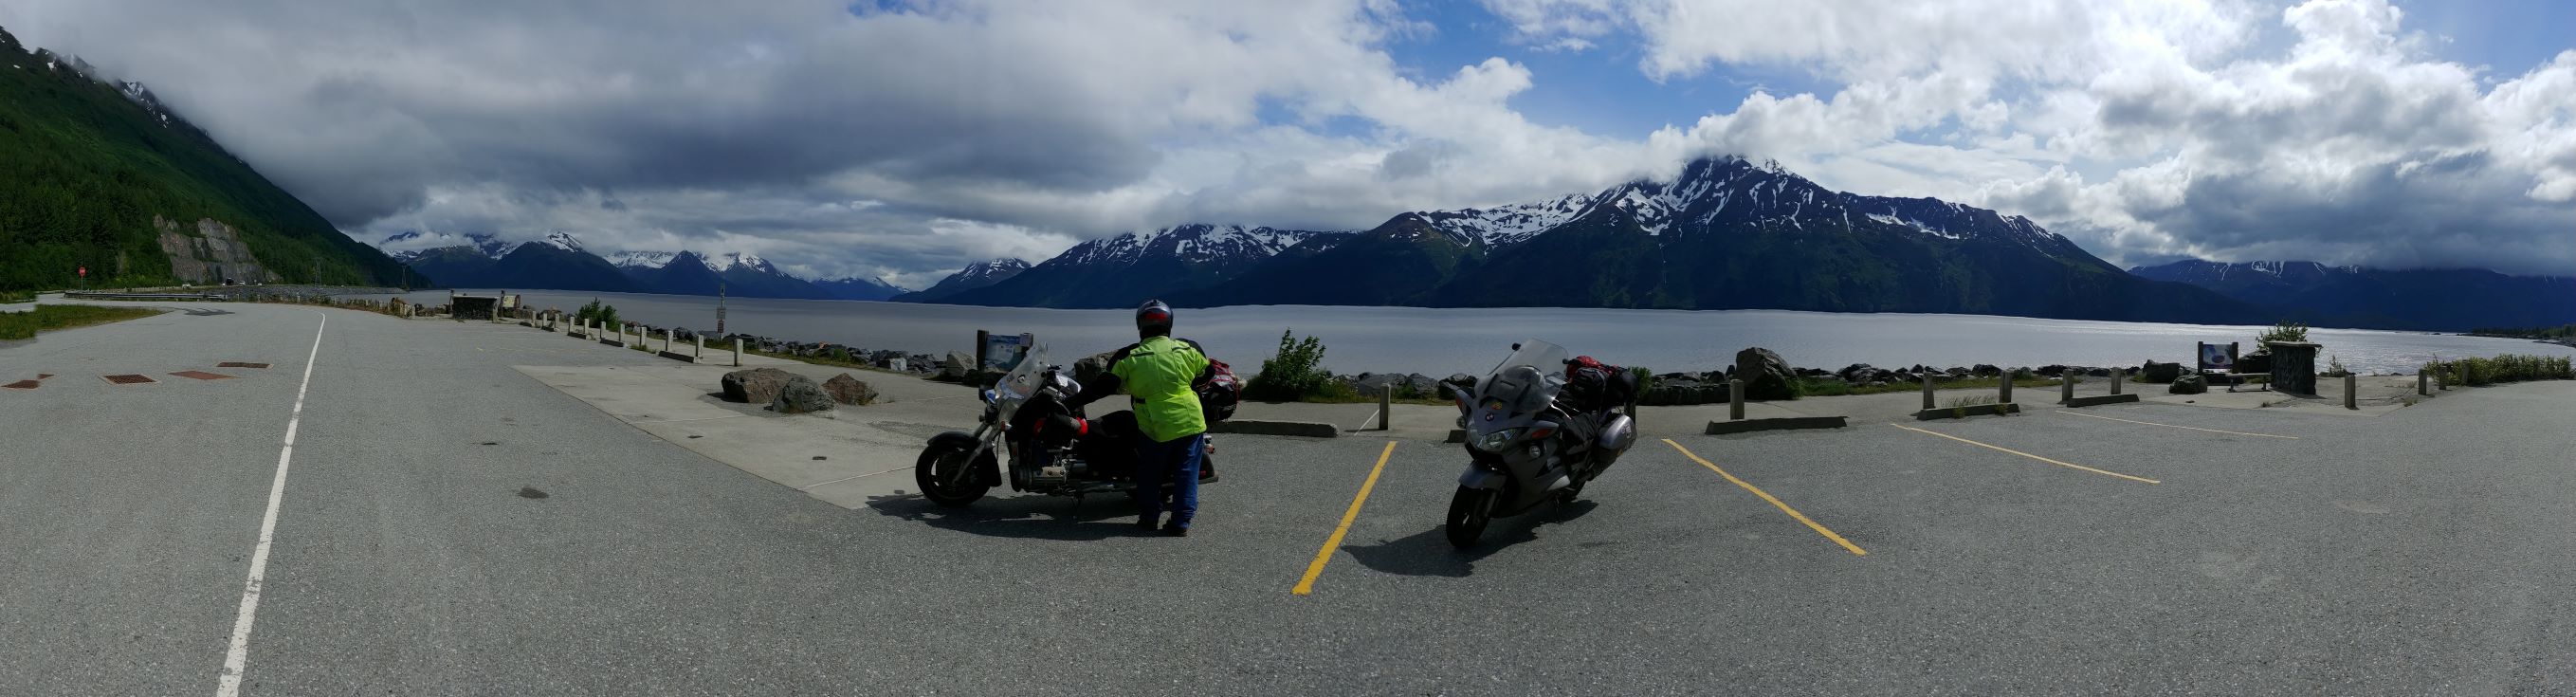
911,140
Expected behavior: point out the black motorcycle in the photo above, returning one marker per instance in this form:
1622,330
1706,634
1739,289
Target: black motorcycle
1051,448
1527,443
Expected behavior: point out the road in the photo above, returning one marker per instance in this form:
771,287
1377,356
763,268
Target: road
2163,549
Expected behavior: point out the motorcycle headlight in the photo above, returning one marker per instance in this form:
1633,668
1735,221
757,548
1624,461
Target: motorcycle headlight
1495,442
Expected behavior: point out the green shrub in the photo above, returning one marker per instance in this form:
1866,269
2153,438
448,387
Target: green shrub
2501,369
606,315
1296,372
2287,332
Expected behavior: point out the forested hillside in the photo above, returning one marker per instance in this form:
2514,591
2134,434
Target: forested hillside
86,168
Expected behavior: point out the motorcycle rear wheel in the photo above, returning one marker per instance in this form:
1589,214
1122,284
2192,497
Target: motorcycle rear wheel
941,463
1469,512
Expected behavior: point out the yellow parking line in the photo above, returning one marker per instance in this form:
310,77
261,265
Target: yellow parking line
1307,585
2195,428
2028,455
1766,496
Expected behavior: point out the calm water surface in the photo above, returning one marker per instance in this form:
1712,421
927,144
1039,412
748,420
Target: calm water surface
1443,341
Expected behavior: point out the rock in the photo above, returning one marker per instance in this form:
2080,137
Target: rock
850,390
956,366
1985,371
801,395
2098,372
1371,384
1766,376
1091,366
2051,370
1856,372
2161,373
2191,383
755,385
1422,384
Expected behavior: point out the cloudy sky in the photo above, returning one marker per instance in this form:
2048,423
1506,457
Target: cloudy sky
907,138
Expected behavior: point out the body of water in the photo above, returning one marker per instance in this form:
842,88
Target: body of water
1443,341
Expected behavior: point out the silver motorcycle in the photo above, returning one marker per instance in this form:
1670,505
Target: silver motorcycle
1525,445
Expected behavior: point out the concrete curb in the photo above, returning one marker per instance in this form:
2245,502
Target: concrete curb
2099,400
1301,429
1964,412
1720,428
677,356
613,342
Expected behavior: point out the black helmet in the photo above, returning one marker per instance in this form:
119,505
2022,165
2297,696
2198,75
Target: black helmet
1154,319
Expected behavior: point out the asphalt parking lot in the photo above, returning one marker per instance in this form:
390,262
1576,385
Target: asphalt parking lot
2130,549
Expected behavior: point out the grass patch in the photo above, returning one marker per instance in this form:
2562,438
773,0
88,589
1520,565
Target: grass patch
17,296
2501,369
46,318
830,360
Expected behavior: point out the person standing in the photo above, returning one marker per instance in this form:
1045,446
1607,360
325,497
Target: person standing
1156,372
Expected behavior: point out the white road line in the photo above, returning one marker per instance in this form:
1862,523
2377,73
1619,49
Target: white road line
239,653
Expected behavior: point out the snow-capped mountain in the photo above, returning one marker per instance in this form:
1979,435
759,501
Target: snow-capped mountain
1128,268
409,245
976,275
727,261
641,260
1722,233
562,240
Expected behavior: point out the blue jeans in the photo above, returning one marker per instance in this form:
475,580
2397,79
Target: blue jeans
1177,461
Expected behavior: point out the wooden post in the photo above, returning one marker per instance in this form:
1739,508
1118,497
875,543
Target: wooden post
2117,376
1927,392
2066,385
982,339
737,352
701,353
2351,391
2423,382
2003,392
1735,400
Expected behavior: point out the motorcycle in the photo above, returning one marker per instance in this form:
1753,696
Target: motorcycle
1526,444
1051,449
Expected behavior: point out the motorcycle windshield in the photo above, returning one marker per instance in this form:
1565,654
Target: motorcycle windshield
1015,387
1520,387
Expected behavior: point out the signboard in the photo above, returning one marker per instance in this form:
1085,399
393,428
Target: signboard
2221,357
999,352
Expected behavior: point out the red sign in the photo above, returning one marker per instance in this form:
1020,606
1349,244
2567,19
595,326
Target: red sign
84,272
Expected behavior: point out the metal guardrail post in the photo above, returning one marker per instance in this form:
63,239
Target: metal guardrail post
1735,400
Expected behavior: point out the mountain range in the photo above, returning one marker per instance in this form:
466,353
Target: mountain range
1726,233
559,262
100,175
2358,297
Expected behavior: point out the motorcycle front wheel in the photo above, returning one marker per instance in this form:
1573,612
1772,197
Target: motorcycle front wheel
1469,511
947,478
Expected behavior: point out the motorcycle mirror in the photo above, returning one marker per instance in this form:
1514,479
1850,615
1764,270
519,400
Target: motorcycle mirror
1516,347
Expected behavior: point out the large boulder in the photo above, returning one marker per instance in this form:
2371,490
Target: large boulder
1986,370
2161,373
1765,375
850,390
801,395
957,366
2191,383
1373,384
1091,367
755,385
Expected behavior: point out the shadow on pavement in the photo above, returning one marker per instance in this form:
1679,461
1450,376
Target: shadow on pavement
1023,517
1428,553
